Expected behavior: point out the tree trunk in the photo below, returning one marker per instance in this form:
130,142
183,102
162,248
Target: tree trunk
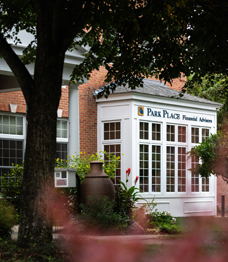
42,104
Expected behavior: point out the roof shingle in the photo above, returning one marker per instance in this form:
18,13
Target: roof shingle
157,88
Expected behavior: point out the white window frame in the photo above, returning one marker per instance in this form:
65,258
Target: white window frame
15,137
176,145
193,145
106,142
151,143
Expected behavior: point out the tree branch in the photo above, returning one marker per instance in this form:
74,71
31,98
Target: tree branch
18,68
74,20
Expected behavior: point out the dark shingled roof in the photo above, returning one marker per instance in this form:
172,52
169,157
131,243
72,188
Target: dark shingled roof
157,88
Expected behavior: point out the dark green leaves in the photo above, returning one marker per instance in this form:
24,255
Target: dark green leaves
208,153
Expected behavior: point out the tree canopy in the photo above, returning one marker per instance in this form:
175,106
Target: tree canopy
132,39
212,87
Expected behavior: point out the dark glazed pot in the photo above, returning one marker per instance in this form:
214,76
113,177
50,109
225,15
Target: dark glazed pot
97,183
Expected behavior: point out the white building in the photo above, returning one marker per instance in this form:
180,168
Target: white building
155,128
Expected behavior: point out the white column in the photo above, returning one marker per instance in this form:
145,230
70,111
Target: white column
74,143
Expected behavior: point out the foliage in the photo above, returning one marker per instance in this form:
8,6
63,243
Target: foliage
154,221
213,155
99,213
7,219
207,153
213,152
211,87
133,191
149,206
207,46
10,251
82,163
125,198
142,215
165,222
69,196
123,202
12,186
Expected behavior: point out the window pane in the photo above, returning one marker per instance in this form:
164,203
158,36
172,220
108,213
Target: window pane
143,130
6,120
61,151
11,152
170,169
156,132
11,125
115,150
195,177
19,121
106,126
13,130
61,131
156,168
195,135
13,121
171,133
182,134
6,129
205,184
143,169
181,169
205,134
112,131
19,130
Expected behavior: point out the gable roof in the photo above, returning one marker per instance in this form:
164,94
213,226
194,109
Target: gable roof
157,88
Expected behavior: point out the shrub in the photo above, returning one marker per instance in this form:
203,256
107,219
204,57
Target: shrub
82,161
7,219
142,214
99,213
12,186
123,202
10,251
165,222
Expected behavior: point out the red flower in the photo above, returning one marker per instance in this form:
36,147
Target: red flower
136,179
128,171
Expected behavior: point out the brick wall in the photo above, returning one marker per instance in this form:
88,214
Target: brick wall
12,98
63,103
177,83
222,189
88,111
18,99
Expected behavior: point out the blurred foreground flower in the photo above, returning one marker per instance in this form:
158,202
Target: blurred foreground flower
205,239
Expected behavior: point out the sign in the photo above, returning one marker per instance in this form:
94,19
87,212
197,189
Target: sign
171,115
141,110
61,182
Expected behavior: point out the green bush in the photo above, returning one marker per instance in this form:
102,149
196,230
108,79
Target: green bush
82,161
12,186
99,213
123,202
10,251
165,222
7,219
